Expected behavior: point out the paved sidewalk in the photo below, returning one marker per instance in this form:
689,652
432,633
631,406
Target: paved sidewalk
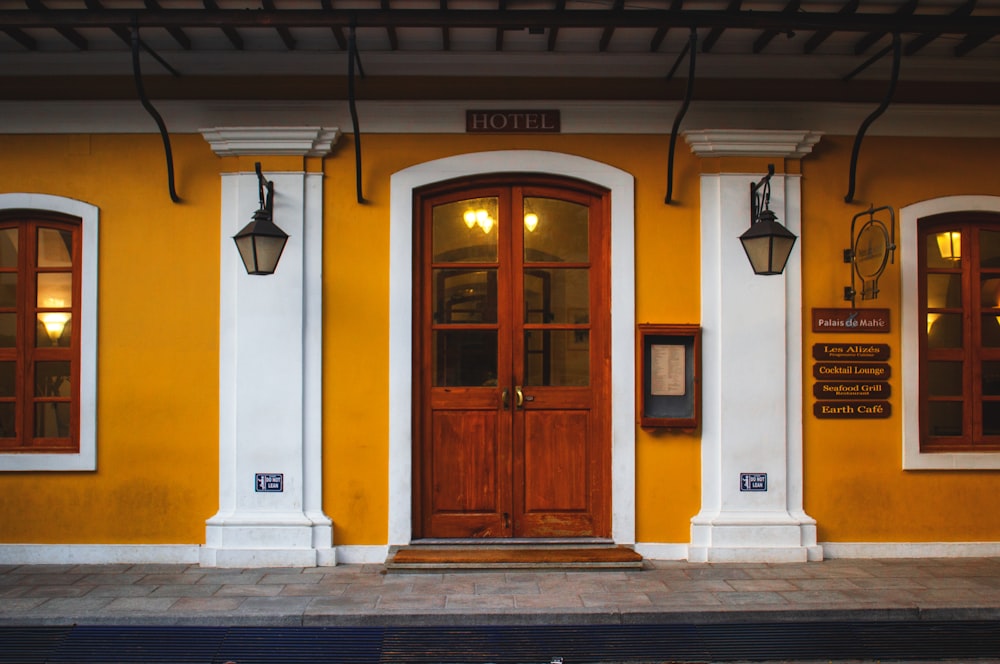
966,589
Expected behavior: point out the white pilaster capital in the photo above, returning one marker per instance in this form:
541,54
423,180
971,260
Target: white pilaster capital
777,143
288,141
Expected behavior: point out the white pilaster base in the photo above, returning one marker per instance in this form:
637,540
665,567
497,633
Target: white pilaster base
275,540
755,537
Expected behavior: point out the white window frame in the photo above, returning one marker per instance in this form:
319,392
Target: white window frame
86,457
913,457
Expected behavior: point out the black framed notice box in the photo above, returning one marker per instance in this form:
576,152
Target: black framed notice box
669,376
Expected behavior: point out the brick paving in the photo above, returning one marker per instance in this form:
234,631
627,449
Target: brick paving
663,592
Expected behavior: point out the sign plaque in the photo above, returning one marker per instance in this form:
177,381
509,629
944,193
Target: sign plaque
850,320
512,122
851,371
848,352
753,481
852,410
269,482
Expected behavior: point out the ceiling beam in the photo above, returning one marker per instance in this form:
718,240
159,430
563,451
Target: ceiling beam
283,32
821,36
554,28
390,29
22,38
713,36
227,28
610,30
869,40
338,32
179,35
765,37
923,40
66,31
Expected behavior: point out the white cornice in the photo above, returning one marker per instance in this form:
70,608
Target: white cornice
305,141
791,144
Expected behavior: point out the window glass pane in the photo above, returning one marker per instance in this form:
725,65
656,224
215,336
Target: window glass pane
8,248
944,249
465,231
944,291
561,233
945,379
8,377
55,290
8,289
991,418
55,248
8,330
52,419
465,296
557,357
945,418
54,328
989,248
944,330
464,357
990,330
52,379
557,296
989,291
991,378
7,422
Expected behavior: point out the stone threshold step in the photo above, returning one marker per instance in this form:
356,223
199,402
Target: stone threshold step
443,558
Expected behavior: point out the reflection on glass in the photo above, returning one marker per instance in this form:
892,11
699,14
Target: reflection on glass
52,419
945,418
8,289
55,290
55,248
7,421
464,358
944,249
945,379
465,296
944,330
991,379
8,330
557,357
458,237
944,290
8,377
989,248
54,329
989,291
557,295
561,232
8,248
52,379
990,331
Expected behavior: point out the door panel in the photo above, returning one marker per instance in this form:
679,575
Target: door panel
512,411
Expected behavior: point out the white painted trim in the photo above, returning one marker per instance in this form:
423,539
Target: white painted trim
622,318
448,117
98,554
86,458
911,549
263,141
780,143
658,551
913,458
362,554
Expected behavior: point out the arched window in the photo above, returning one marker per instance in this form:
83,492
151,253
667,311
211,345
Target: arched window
40,259
959,328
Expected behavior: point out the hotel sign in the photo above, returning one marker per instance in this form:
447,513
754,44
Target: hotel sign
850,320
512,122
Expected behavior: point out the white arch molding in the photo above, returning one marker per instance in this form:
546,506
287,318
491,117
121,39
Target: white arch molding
621,185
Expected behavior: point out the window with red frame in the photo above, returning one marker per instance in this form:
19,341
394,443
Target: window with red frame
39,332
959,267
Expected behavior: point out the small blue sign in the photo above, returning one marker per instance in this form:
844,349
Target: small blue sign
270,482
753,481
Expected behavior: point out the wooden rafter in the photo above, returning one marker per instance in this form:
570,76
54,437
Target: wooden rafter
821,36
716,32
390,30
21,37
338,32
661,32
871,38
283,32
765,37
67,32
554,29
179,35
609,31
231,34
926,38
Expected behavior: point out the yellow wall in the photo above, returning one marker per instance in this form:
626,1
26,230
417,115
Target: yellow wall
157,423
157,477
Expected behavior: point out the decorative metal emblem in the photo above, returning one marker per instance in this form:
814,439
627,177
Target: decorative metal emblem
873,246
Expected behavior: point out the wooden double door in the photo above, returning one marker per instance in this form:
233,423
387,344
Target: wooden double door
512,435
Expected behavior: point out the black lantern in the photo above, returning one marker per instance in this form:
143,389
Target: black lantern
767,243
261,242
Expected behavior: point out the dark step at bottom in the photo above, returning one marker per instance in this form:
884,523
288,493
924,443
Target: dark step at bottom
486,558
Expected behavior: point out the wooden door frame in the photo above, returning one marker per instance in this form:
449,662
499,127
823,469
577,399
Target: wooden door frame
399,415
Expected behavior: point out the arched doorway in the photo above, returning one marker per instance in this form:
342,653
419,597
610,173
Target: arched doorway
512,429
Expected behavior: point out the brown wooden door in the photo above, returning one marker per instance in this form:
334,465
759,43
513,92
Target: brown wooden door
512,361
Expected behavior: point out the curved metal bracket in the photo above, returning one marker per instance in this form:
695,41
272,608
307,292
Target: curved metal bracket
692,49
352,57
863,248
146,104
896,56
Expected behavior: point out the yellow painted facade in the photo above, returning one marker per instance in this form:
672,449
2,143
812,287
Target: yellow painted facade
158,355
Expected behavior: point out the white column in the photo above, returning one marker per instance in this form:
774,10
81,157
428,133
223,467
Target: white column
752,366
270,354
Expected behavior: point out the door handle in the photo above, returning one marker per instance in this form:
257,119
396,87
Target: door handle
505,398
518,396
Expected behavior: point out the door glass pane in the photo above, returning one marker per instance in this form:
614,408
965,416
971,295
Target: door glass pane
52,419
554,295
991,378
557,357
7,379
944,290
945,418
8,248
55,290
944,330
52,379
561,231
944,249
7,422
945,379
990,330
991,418
8,289
55,248
464,357
989,248
8,330
465,296
465,231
